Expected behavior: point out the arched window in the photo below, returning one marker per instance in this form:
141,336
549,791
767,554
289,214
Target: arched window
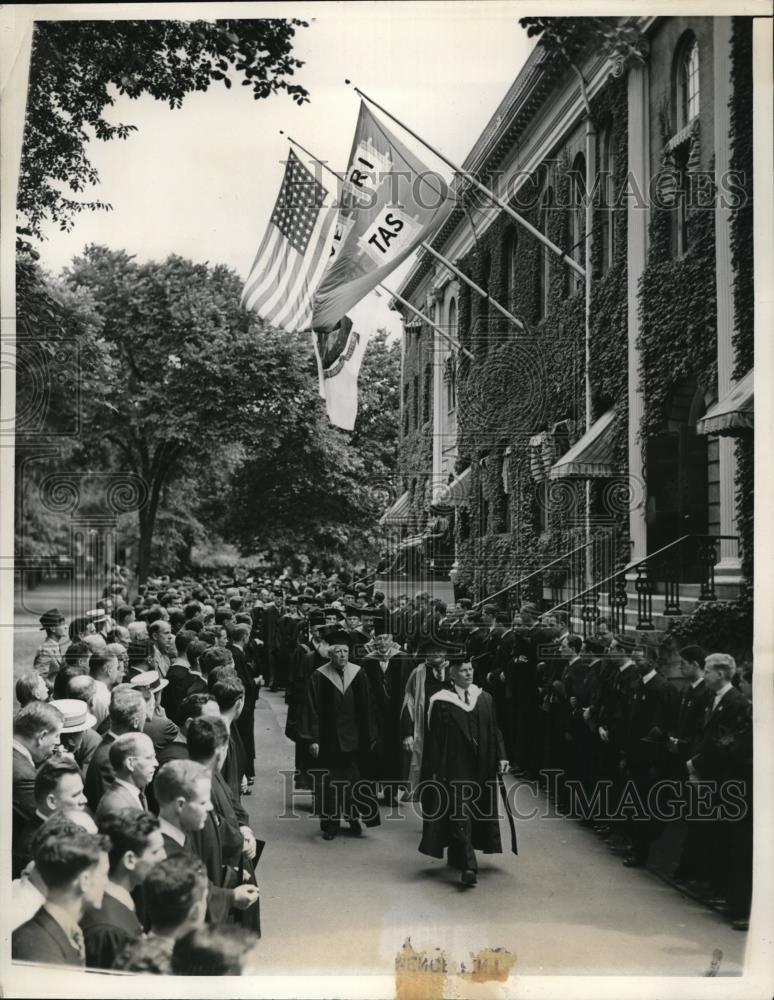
451,367
577,221
543,274
606,212
687,81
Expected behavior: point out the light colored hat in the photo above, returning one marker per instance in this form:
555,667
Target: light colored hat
149,679
77,717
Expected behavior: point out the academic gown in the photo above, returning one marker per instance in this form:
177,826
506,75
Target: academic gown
465,746
387,691
304,661
338,716
246,721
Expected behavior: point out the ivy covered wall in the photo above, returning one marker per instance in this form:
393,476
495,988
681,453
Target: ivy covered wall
521,384
741,147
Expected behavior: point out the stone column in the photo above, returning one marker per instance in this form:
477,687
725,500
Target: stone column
637,219
729,566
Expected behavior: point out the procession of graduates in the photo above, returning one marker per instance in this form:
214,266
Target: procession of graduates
133,752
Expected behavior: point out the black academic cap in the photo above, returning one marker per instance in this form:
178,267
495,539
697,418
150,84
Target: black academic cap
329,611
334,635
354,609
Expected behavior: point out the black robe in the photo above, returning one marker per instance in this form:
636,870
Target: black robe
343,726
464,749
387,691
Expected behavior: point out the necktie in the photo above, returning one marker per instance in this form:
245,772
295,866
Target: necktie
76,940
143,801
467,697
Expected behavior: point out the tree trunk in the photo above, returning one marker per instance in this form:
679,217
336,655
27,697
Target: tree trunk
147,518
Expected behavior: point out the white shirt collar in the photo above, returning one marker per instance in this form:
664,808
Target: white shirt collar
697,682
623,666
127,784
649,676
121,894
173,832
23,751
719,694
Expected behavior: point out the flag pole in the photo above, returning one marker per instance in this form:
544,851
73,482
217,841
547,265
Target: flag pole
426,246
441,333
481,187
476,288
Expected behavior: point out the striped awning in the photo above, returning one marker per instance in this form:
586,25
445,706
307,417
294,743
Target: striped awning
398,514
455,492
733,413
592,456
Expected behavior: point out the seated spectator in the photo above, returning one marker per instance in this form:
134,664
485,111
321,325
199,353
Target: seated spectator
58,785
106,671
36,729
214,951
136,845
126,715
31,686
74,870
160,729
133,760
28,892
82,740
175,896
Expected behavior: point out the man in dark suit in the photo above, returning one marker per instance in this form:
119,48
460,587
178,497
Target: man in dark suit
36,729
239,635
387,668
650,711
133,760
160,729
183,791
225,844
74,868
58,786
136,845
694,861
126,715
723,755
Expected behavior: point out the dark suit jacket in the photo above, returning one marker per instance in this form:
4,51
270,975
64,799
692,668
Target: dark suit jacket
21,853
182,682
99,773
724,746
161,730
115,798
42,940
219,900
107,931
23,788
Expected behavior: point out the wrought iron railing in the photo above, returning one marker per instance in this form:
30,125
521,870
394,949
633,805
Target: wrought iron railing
688,560
570,569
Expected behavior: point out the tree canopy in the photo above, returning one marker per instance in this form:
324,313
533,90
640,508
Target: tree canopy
78,68
218,415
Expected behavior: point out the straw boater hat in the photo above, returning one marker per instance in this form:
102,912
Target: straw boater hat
76,714
149,679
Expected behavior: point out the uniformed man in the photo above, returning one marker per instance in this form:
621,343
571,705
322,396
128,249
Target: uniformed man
49,658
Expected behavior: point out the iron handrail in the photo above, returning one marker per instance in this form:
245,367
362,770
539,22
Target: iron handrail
633,565
540,569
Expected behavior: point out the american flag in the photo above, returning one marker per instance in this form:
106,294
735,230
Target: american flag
294,252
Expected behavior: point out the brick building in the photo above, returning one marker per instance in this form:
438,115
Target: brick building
601,464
